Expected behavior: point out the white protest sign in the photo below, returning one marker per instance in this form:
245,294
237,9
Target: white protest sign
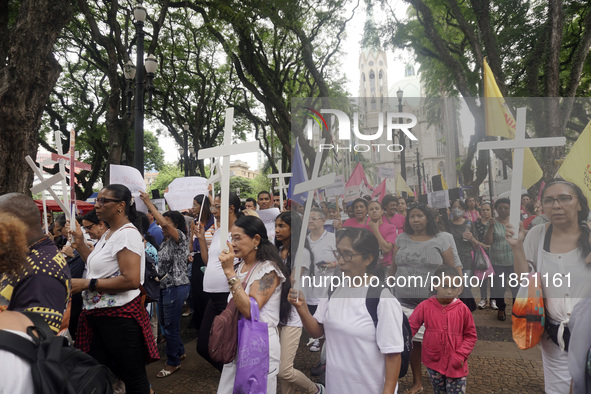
132,179
160,204
337,188
386,172
518,145
268,217
438,199
181,192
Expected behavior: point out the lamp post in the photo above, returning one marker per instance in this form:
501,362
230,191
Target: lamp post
130,71
191,160
182,153
401,135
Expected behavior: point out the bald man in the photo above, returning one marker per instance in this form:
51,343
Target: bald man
43,285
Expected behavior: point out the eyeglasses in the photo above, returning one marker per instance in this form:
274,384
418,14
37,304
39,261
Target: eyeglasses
562,199
89,227
103,200
215,208
313,219
347,257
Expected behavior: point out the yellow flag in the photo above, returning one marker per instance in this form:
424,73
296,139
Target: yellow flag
501,123
402,186
576,168
443,182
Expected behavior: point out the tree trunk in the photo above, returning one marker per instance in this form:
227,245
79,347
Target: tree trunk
26,80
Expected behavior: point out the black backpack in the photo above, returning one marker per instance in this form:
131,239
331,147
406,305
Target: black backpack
151,280
371,303
56,367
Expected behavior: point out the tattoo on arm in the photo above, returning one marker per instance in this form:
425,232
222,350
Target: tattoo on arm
266,282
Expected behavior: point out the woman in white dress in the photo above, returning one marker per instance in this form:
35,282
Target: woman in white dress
262,273
362,355
560,252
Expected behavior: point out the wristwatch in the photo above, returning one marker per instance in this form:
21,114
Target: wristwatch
232,281
92,285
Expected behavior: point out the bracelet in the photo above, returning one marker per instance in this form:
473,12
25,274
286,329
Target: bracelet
92,285
236,289
232,280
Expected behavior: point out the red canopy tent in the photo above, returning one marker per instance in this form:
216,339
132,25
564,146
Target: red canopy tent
52,206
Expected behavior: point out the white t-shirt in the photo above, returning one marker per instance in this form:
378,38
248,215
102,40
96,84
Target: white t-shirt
355,348
214,280
16,372
322,250
270,312
560,298
102,263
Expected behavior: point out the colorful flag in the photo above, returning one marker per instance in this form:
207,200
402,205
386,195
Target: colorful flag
402,186
299,175
576,168
501,123
357,185
443,182
380,191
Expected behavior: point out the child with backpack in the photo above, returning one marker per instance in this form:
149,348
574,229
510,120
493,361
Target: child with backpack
450,333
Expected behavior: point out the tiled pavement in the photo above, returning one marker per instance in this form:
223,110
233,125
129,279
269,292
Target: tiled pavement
496,365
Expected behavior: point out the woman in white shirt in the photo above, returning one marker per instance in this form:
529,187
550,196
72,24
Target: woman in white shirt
361,356
262,273
560,252
112,326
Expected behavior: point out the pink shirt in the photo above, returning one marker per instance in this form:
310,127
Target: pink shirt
352,222
450,336
397,220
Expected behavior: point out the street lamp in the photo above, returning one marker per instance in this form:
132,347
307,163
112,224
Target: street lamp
191,160
401,136
130,71
419,171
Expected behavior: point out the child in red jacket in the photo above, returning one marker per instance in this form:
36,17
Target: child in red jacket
450,333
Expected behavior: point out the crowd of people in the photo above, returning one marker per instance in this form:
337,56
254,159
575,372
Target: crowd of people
89,281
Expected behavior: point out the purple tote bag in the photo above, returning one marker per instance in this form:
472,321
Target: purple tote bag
252,361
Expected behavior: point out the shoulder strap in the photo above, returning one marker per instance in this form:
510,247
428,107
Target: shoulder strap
18,345
371,302
40,324
547,238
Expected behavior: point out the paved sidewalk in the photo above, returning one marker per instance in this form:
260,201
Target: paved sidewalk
496,364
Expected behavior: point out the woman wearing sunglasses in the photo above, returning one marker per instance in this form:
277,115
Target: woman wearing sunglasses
361,356
112,327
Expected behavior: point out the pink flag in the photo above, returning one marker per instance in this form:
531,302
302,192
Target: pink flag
424,187
380,191
358,177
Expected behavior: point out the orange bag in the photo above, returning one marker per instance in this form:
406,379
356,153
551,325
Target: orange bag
528,313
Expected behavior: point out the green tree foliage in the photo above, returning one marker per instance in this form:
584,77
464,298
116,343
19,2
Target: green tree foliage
245,186
535,49
167,174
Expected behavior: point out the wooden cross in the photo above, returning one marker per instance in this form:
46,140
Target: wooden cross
46,184
282,186
519,144
225,151
309,186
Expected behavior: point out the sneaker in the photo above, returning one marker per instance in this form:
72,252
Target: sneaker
318,370
482,304
315,346
320,388
493,305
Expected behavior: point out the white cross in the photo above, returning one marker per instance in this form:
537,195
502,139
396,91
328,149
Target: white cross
281,176
309,186
226,150
213,178
46,184
519,144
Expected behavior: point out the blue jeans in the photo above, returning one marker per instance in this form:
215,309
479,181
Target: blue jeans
170,307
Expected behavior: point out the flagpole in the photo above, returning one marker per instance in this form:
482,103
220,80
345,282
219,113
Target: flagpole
490,178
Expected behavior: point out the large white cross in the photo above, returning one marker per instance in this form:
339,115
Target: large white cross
519,144
224,151
309,186
282,186
46,185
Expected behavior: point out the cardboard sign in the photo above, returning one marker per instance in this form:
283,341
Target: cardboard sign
130,177
181,192
337,188
439,199
386,172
